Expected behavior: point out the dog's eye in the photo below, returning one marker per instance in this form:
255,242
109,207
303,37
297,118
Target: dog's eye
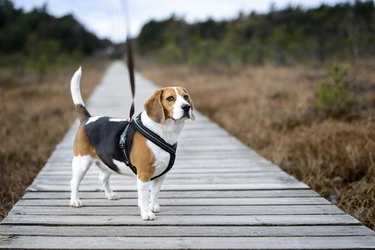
170,98
186,97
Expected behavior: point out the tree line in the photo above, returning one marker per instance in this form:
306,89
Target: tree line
344,31
37,39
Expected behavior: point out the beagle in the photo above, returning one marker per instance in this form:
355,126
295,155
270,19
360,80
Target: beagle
97,141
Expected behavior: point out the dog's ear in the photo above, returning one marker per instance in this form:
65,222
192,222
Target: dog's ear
154,107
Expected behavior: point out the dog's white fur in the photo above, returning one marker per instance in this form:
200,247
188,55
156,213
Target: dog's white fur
75,88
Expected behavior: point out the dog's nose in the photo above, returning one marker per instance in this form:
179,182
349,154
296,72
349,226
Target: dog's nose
185,107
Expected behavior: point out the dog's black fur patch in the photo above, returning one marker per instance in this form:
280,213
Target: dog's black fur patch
104,136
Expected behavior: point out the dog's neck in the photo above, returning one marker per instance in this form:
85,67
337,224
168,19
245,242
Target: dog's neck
169,130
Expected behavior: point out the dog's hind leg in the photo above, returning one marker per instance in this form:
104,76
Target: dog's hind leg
104,178
80,165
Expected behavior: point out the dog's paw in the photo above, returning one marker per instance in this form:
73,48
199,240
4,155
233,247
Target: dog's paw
155,208
76,203
148,216
112,196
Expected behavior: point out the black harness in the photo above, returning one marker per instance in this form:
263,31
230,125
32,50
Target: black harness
126,140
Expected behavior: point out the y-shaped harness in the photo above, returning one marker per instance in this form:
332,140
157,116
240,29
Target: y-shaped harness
126,140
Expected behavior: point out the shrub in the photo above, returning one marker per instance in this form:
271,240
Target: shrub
334,98
42,53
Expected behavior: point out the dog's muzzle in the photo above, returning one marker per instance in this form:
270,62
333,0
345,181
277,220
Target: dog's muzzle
186,108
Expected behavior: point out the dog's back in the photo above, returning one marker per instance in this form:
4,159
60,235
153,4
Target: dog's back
104,134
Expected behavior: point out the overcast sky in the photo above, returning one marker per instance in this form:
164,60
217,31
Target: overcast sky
106,17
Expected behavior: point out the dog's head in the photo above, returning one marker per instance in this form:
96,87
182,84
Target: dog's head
170,103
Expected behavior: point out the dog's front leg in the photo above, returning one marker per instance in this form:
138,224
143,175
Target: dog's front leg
144,200
155,189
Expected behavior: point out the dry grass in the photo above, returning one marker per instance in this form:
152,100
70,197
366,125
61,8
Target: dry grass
34,117
275,113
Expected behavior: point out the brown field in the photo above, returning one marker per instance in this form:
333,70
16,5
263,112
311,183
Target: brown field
34,118
274,111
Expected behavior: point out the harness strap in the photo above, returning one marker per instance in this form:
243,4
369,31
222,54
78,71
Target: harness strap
150,135
171,149
125,145
160,142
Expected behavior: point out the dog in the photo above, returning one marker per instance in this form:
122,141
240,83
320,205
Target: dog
97,142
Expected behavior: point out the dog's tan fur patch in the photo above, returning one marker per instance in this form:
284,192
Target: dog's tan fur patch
142,158
183,92
168,105
82,145
154,107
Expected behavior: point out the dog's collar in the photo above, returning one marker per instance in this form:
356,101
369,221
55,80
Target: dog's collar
137,124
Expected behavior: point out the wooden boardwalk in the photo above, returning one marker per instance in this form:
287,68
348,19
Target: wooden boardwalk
220,194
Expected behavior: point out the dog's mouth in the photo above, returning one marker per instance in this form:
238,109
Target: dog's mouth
189,115
186,115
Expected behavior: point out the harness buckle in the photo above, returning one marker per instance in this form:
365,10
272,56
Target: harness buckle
122,142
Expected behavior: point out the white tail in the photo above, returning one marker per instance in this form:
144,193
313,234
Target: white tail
75,88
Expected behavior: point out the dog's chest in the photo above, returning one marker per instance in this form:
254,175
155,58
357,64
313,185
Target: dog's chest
161,158
169,132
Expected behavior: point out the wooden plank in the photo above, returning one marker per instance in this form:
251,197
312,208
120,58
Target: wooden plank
184,151
187,231
185,201
128,182
182,194
195,165
179,170
224,142
187,175
207,180
188,220
334,242
227,163
205,169
181,210
199,168
166,186
186,147
174,176
235,156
